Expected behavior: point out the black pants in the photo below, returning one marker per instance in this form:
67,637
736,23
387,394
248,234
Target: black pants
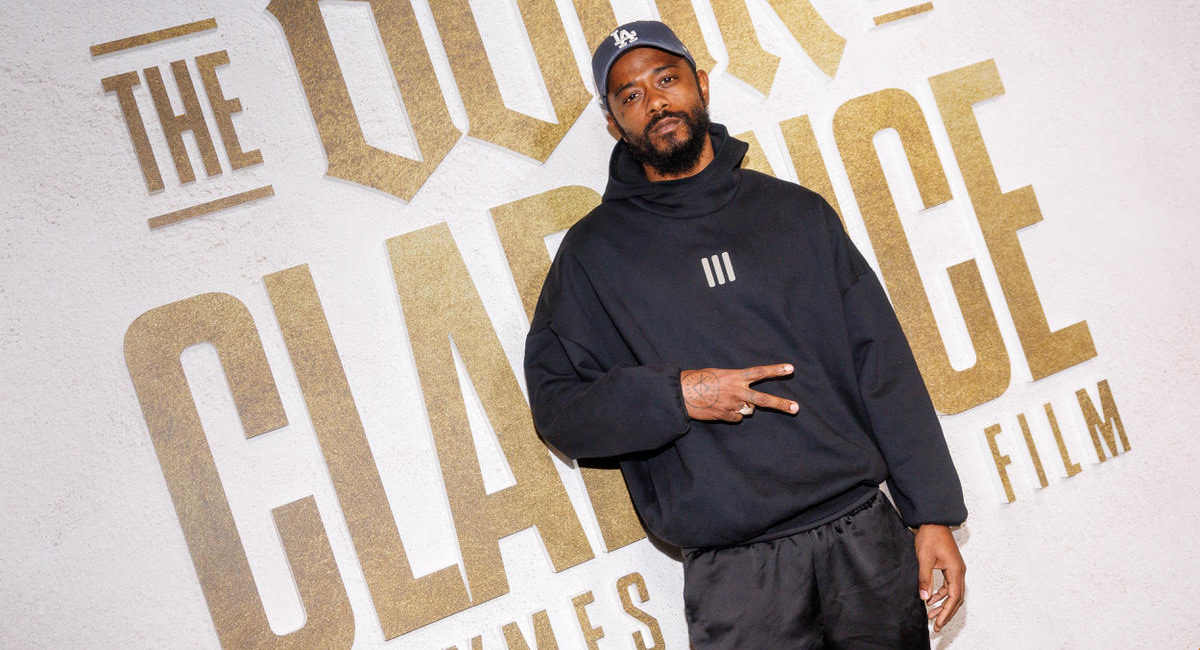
850,583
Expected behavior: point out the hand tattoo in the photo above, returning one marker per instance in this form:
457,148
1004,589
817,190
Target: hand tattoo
700,388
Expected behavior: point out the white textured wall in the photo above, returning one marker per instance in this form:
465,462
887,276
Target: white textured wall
1099,116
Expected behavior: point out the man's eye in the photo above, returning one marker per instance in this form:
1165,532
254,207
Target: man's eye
669,79
630,97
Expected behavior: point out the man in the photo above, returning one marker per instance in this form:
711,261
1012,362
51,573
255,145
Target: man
693,280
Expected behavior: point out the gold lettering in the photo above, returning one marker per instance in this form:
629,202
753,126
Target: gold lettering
402,602
614,511
543,634
1098,426
523,226
597,19
174,125
591,635
1002,461
153,344
349,156
855,125
1072,468
476,644
810,30
748,61
681,16
1033,452
490,119
636,581
443,310
1001,215
756,158
223,110
122,85
807,159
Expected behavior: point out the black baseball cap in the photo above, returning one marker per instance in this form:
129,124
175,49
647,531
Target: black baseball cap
640,33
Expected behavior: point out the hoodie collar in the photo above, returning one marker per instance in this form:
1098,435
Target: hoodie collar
693,196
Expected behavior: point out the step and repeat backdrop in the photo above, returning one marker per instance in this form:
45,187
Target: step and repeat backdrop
268,268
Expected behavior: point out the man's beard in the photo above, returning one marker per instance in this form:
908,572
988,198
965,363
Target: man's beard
677,156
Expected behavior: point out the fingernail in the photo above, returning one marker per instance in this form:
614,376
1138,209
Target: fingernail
794,407
924,595
788,368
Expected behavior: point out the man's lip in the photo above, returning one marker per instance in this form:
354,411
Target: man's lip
665,124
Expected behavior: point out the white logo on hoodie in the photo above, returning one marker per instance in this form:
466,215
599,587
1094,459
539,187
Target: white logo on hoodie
714,273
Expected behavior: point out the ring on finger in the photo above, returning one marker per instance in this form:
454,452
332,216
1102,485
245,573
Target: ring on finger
746,409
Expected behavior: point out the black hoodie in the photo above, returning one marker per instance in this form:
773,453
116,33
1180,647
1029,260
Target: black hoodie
730,268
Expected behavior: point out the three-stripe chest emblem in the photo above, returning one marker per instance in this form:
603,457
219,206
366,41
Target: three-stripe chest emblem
718,269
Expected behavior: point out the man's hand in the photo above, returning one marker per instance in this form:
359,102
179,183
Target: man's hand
936,549
725,394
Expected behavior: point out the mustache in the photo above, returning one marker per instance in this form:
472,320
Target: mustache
681,115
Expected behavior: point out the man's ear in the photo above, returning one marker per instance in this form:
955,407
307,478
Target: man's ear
702,81
613,129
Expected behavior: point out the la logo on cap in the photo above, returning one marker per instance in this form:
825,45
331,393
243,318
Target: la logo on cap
623,37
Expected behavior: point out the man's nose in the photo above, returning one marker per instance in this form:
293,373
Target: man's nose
657,101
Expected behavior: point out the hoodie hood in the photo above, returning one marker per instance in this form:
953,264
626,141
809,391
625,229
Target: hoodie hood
694,196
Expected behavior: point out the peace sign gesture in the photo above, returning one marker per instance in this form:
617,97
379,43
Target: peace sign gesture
725,393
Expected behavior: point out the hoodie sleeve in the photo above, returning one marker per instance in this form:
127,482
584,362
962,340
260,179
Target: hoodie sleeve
589,397
900,415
